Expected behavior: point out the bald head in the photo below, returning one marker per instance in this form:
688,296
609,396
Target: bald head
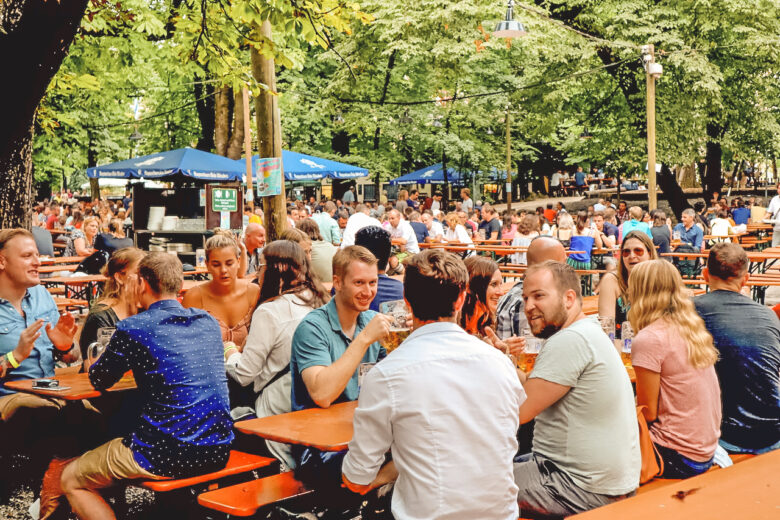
545,248
254,237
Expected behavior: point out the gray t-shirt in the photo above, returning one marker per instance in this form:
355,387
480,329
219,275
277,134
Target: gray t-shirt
590,433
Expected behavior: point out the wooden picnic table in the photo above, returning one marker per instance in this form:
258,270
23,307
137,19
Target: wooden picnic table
326,429
82,287
79,386
48,269
67,303
750,489
49,260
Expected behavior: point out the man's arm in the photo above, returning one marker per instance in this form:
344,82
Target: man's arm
541,395
698,238
326,383
114,362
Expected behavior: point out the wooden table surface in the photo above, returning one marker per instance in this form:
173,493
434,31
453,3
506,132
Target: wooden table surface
65,303
76,280
49,260
748,490
80,387
48,269
326,429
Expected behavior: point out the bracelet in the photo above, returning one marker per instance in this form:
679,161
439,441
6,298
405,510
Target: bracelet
60,351
230,346
11,359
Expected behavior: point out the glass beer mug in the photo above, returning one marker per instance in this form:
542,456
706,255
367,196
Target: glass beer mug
399,330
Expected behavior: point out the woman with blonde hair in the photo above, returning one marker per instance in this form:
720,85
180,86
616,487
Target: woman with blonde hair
82,241
118,299
636,248
527,230
456,231
674,359
563,229
228,298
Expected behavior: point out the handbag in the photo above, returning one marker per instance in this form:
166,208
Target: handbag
652,463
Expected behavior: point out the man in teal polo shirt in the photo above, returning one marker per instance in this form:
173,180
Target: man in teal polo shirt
329,346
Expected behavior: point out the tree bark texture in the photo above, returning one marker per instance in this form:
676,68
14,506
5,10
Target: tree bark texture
713,178
676,197
377,130
269,135
34,39
204,104
236,143
222,121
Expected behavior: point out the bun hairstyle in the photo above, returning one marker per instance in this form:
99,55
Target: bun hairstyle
222,239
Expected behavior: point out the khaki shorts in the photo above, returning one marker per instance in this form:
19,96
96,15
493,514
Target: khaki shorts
107,464
10,404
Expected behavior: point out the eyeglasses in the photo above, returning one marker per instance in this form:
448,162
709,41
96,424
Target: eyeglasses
638,251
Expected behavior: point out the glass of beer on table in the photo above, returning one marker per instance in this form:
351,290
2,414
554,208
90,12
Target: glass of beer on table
532,347
627,335
399,329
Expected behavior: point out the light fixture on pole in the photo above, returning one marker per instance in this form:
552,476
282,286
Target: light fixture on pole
654,71
509,27
136,136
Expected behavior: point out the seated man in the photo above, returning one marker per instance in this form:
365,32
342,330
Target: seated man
377,240
440,392
404,238
586,440
747,335
33,335
184,428
329,345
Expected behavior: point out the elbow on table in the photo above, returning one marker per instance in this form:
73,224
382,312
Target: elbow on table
321,400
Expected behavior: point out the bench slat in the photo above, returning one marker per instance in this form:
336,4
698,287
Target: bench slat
239,462
245,499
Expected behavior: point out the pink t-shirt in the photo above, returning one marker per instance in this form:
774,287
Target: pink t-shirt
689,408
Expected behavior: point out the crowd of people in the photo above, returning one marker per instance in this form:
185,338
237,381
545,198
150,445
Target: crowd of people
290,325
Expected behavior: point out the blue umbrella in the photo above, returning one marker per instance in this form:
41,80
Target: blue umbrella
433,174
188,162
302,167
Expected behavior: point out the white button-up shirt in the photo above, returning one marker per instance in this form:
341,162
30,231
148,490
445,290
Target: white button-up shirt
356,222
447,405
405,231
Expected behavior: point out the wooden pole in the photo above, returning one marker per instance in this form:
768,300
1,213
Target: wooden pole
248,150
653,204
269,134
508,186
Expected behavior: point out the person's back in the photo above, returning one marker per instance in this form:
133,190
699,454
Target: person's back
452,401
322,253
176,358
741,215
747,336
595,421
387,289
420,231
661,238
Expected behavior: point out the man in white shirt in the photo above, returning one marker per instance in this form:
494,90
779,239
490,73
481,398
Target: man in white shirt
435,229
773,212
445,402
586,441
357,222
436,205
403,236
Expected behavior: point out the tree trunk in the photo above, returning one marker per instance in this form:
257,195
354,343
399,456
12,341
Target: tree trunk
204,103
222,121
269,135
34,39
687,178
713,179
236,144
94,186
377,131
676,197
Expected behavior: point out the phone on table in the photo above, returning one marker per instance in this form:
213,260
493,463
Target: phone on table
49,384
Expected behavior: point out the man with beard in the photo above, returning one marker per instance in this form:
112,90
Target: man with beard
586,441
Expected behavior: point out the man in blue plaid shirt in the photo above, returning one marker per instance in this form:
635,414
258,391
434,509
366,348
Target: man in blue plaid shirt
510,314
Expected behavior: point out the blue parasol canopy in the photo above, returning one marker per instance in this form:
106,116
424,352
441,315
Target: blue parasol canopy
433,174
302,167
188,162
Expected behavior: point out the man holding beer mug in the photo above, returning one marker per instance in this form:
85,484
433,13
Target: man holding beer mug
440,392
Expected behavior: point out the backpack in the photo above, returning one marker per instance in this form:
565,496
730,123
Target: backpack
93,263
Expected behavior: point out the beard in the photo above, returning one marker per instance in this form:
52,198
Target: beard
550,323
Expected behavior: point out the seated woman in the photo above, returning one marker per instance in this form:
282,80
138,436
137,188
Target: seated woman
563,229
115,238
526,231
228,298
288,292
583,238
118,300
82,241
637,247
322,251
482,295
674,359
456,231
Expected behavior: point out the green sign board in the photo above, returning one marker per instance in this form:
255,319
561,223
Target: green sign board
223,199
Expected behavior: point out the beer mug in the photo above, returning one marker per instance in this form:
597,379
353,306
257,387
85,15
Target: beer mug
94,351
399,330
627,336
608,326
532,347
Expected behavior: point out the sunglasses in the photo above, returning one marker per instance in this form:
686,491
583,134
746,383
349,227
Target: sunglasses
638,251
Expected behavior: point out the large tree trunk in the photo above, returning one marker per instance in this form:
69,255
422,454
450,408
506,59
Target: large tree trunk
34,39
204,103
236,144
377,131
713,178
222,121
676,197
687,176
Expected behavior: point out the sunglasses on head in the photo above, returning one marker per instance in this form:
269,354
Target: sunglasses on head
638,251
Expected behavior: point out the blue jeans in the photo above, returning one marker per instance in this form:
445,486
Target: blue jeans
680,466
736,449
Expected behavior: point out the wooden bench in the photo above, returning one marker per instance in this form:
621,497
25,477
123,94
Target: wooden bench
238,462
245,499
661,482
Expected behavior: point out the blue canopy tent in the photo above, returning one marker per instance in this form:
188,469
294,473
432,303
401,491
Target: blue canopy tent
187,162
433,174
302,167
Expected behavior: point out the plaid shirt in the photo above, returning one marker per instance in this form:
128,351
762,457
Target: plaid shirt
510,314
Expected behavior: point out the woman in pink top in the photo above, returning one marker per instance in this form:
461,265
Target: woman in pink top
674,357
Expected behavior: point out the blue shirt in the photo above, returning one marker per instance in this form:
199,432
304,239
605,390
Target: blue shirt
693,236
741,215
579,178
634,225
319,341
611,230
387,290
184,428
747,336
420,231
37,303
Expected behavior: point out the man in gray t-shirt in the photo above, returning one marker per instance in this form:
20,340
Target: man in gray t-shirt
586,440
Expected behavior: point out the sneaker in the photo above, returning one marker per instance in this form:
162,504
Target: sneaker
51,490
